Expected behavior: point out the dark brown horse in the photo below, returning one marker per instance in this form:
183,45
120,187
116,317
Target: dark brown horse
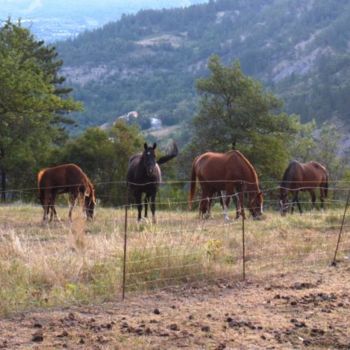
144,176
66,178
230,172
303,177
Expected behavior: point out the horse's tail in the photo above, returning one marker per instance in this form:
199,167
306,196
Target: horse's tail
193,184
172,154
40,175
40,187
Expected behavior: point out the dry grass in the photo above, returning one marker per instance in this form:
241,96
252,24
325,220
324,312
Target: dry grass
62,264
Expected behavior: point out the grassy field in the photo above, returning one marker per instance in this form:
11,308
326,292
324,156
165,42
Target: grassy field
62,263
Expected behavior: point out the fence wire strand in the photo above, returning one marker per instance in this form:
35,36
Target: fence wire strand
182,246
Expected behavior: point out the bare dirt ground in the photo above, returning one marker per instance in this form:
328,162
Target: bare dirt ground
308,310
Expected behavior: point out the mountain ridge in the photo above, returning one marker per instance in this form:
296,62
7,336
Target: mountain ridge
149,62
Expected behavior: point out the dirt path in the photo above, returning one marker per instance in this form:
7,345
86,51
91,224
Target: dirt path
310,310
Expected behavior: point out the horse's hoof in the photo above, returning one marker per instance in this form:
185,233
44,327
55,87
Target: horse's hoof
142,221
154,220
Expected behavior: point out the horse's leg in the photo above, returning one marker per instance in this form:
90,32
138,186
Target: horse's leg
200,207
294,200
240,206
51,212
234,197
322,195
153,207
204,205
147,198
53,209
46,207
298,203
222,195
224,202
313,198
210,204
51,205
72,203
237,192
210,200
138,198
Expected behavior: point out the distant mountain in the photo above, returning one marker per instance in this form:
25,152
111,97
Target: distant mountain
54,20
148,62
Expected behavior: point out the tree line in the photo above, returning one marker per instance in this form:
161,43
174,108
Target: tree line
234,111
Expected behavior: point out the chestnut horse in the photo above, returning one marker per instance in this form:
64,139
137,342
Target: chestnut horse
303,177
144,176
228,173
65,178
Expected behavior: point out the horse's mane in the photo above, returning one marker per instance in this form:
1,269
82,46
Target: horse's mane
247,163
88,184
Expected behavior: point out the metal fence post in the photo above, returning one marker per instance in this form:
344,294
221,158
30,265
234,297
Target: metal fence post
243,237
334,262
125,242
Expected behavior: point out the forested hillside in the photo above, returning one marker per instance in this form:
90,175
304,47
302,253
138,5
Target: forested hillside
300,49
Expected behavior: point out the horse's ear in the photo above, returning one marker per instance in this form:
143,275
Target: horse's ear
87,192
154,146
145,146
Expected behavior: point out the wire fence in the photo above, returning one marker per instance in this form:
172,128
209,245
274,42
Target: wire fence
119,255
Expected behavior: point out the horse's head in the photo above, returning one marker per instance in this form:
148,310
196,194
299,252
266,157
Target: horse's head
256,204
149,159
89,202
283,203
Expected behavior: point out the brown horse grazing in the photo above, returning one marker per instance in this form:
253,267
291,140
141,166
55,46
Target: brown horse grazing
230,172
303,177
66,178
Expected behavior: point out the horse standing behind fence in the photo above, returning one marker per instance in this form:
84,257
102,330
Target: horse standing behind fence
230,172
65,178
303,177
144,176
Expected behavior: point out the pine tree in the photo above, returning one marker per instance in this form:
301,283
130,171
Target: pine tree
236,112
32,105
